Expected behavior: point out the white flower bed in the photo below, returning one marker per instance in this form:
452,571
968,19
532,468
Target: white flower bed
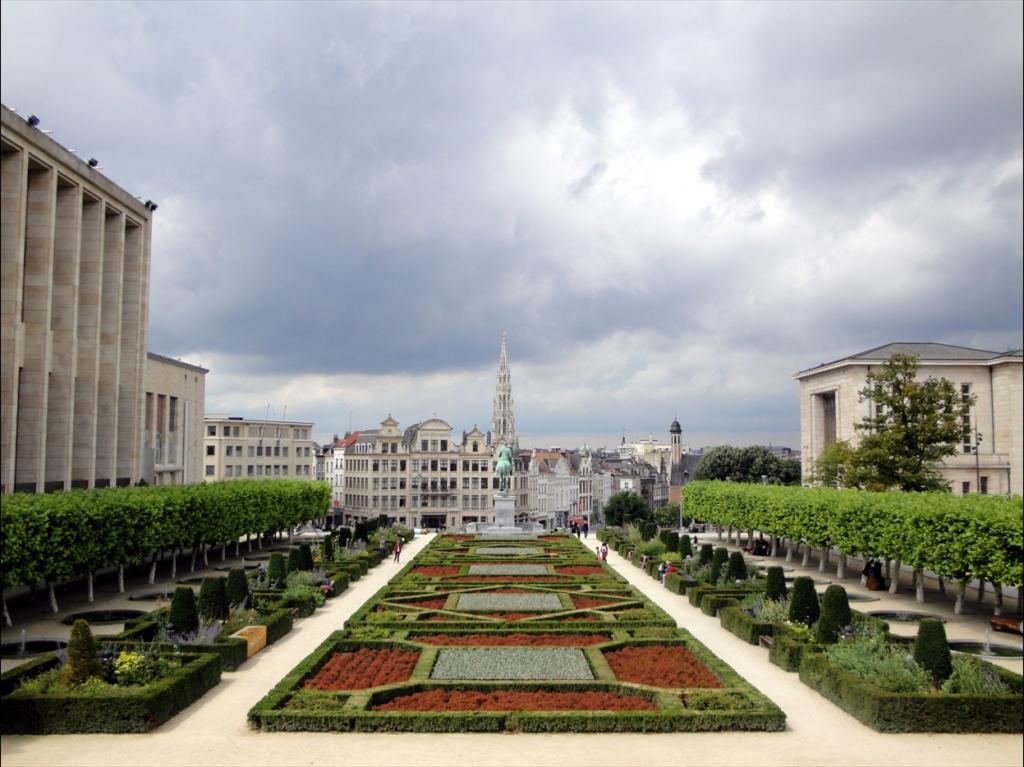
516,603
501,663
509,551
508,570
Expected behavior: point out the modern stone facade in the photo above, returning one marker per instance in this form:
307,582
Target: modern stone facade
830,408
172,438
237,448
74,308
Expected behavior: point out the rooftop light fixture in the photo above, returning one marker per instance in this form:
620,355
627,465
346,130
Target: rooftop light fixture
33,120
93,162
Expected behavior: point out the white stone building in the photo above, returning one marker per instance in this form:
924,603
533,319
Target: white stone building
172,438
830,408
238,448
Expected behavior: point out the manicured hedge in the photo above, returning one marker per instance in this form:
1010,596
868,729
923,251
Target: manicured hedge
916,712
57,536
679,583
739,621
948,534
131,710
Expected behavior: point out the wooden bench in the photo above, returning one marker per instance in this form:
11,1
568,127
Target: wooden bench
765,640
1011,624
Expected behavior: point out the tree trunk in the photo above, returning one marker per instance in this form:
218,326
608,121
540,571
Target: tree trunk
248,541
206,557
999,598
238,545
174,563
807,556
981,590
888,569
894,582
120,579
775,547
195,554
152,568
53,598
942,585
89,585
259,542
961,592
824,559
750,538
224,553
719,531
789,549
919,584
841,567
7,615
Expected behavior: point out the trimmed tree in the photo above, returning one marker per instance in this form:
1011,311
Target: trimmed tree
213,600
237,587
672,541
835,614
718,561
295,560
685,547
276,572
707,553
737,570
306,555
803,605
775,585
931,650
83,662
183,618
344,536
328,551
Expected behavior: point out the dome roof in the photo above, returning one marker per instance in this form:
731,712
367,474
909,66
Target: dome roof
675,428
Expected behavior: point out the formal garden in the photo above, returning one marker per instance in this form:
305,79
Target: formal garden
532,635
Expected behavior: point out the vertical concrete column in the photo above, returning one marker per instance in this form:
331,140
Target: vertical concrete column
33,378
13,197
110,347
90,271
63,314
129,405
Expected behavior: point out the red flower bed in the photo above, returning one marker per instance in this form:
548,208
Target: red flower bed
514,640
427,604
434,571
585,602
513,700
660,666
580,570
460,537
363,668
577,618
506,579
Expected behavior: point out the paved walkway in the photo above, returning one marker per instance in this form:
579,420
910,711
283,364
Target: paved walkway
213,731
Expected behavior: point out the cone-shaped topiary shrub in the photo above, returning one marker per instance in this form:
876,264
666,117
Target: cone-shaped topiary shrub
803,604
83,661
213,600
237,587
931,650
276,572
183,618
294,560
663,536
648,530
672,542
361,532
707,553
835,613
718,561
344,535
685,547
775,587
306,556
737,570
328,551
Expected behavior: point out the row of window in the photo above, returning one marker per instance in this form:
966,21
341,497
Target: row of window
256,432
258,470
258,451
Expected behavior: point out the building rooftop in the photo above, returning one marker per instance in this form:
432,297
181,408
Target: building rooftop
925,350
179,363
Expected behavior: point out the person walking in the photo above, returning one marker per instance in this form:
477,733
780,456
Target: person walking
398,549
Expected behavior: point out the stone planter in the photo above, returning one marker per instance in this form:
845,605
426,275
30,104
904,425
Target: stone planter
255,638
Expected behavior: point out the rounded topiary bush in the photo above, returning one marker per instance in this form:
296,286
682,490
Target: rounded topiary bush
237,587
276,572
685,547
718,561
737,570
931,650
835,614
672,544
295,560
183,618
803,604
213,600
83,662
775,584
707,553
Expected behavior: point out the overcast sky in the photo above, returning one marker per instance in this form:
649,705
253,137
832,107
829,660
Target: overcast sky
671,208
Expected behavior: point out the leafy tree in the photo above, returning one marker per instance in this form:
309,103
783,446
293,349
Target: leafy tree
625,507
836,465
913,426
747,464
667,516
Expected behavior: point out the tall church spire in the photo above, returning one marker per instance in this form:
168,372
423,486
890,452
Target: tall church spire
503,426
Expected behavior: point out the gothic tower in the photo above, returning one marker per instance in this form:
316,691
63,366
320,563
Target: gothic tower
503,427
676,436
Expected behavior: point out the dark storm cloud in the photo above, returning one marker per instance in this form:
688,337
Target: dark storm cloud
381,188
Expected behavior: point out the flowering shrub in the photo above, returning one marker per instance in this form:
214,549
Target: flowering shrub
364,668
660,666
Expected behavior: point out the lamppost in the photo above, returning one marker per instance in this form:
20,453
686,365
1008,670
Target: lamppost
977,460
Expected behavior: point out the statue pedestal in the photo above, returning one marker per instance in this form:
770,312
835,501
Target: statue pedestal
505,510
504,525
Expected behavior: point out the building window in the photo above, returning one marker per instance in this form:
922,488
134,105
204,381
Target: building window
211,449
983,485
423,445
433,445
252,451
227,431
229,450
211,431
284,451
965,488
476,447
209,470
444,444
250,470
229,471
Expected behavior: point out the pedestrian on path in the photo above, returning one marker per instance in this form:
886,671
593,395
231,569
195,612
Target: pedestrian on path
398,549
604,552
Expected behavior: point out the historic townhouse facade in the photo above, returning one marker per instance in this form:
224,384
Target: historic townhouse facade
989,455
239,448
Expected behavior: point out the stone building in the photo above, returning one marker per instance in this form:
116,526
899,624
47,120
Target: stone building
74,303
172,437
237,448
830,408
